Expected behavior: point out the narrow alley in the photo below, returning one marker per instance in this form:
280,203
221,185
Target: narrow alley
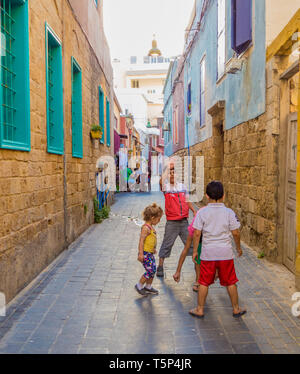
85,302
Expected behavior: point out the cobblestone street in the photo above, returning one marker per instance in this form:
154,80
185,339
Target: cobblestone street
85,301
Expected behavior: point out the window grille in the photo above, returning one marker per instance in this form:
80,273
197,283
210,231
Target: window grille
54,93
14,76
8,73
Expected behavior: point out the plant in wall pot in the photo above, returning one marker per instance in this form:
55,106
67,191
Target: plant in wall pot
96,132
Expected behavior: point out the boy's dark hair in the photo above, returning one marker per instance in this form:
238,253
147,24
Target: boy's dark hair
215,190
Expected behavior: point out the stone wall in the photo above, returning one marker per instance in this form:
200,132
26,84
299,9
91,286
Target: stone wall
42,195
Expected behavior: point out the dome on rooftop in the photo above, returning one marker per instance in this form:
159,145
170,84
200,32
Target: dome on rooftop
154,51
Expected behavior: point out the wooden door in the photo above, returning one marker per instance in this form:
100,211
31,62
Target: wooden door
290,205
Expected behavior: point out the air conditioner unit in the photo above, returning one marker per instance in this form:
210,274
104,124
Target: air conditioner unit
234,65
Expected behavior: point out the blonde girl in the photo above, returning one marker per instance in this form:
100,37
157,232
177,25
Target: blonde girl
147,249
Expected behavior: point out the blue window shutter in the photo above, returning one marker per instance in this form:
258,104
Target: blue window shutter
241,25
77,147
107,124
101,113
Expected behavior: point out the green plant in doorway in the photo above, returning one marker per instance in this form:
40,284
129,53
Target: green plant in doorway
100,214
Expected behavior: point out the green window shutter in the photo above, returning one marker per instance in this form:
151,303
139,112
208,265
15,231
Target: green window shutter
14,77
101,113
54,84
107,123
77,148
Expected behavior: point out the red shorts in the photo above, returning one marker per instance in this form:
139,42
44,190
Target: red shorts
226,270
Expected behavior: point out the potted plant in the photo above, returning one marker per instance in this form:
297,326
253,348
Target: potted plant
96,132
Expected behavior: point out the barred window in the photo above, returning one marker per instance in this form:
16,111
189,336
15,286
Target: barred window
54,84
15,89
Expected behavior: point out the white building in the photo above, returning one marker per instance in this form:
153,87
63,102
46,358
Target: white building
139,83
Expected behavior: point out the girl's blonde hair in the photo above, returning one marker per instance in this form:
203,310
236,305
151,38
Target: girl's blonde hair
152,211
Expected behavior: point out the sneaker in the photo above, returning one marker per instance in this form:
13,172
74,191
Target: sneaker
160,271
142,291
151,290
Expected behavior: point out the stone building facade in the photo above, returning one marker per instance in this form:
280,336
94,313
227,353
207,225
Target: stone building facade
46,199
255,157
245,159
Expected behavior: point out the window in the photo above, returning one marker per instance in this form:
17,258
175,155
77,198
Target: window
241,25
133,59
153,141
202,92
101,113
135,84
54,85
15,89
221,37
160,59
76,110
175,127
146,60
107,123
166,135
189,99
170,126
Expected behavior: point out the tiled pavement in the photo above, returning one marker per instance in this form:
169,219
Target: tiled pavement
85,302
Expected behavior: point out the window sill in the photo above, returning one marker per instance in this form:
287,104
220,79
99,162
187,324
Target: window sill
222,77
77,156
246,52
15,146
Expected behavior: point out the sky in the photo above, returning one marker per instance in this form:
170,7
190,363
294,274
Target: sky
130,24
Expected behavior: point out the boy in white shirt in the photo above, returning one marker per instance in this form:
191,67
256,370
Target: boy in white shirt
217,222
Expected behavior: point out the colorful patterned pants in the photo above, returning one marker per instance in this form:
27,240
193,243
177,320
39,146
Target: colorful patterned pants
149,265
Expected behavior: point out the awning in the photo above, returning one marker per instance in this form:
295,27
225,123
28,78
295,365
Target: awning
122,136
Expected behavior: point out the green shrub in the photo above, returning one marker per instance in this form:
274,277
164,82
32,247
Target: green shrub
100,214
